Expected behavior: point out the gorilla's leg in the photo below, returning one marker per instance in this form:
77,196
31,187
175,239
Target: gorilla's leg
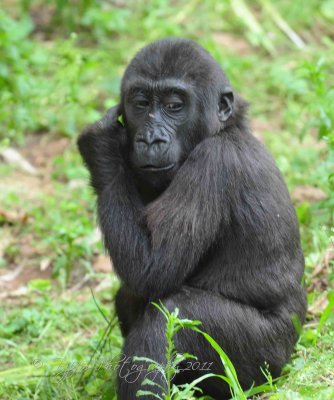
248,337
128,309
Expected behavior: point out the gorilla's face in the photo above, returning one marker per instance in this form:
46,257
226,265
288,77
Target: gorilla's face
173,97
158,118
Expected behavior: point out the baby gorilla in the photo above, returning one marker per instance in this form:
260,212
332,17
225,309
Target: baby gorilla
194,212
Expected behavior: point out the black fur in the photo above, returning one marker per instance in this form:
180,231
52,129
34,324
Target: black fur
216,237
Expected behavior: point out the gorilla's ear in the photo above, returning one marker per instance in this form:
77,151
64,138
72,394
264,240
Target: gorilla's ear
225,105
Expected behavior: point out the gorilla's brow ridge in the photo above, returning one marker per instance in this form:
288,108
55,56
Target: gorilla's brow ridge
170,85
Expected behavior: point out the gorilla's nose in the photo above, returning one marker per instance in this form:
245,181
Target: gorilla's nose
152,138
152,142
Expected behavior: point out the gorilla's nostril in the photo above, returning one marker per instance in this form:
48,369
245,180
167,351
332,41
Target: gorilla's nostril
159,141
142,141
149,141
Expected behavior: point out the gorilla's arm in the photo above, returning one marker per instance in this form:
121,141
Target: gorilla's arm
182,224
101,146
156,257
225,177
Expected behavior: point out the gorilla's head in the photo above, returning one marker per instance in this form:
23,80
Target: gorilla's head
174,94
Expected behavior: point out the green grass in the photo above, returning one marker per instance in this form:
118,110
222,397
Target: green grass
58,75
174,359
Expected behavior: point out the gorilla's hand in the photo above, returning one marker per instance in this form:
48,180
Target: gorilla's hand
111,125
102,146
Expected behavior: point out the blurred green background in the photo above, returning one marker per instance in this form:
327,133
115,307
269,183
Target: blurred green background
61,63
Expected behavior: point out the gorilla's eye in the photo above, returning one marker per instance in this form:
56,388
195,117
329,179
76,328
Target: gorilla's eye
141,104
174,106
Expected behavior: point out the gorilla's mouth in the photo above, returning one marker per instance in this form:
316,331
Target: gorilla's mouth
154,168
